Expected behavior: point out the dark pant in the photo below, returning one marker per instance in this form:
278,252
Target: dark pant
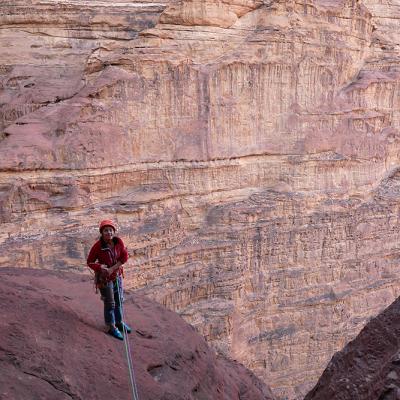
112,305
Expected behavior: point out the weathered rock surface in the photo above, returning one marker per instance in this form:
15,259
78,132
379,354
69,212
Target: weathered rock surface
249,151
52,347
368,368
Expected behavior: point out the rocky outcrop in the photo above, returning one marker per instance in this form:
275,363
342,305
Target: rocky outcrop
52,346
368,367
249,151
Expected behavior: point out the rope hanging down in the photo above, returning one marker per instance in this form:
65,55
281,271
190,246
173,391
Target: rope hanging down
135,395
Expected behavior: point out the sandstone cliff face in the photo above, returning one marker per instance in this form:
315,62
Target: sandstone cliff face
249,151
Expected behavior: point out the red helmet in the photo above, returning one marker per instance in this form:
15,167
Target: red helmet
107,222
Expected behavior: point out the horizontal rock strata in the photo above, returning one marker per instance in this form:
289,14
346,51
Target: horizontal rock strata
248,150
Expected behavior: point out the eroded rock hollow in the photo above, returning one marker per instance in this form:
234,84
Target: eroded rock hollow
368,367
249,151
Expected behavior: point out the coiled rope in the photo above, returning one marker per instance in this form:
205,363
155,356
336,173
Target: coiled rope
132,380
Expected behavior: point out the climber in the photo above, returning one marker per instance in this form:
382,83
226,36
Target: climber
106,258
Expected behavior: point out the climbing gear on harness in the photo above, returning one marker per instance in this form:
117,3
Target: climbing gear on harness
107,222
122,326
100,279
115,333
132,380
96,278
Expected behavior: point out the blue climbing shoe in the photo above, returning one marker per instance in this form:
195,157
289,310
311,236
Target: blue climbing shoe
121,327
115,333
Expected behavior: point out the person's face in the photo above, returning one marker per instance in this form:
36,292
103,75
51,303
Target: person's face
107,233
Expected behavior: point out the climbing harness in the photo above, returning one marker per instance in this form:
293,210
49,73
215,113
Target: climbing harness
132,380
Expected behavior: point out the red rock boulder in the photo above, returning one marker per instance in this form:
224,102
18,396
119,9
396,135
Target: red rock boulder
53,346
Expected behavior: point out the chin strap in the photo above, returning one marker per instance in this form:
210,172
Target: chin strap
135,395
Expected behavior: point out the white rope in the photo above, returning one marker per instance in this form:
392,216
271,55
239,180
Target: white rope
132,380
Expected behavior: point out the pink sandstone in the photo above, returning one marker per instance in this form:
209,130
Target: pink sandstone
249,151
52,346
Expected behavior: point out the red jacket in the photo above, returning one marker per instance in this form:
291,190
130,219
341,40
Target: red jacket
100,253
